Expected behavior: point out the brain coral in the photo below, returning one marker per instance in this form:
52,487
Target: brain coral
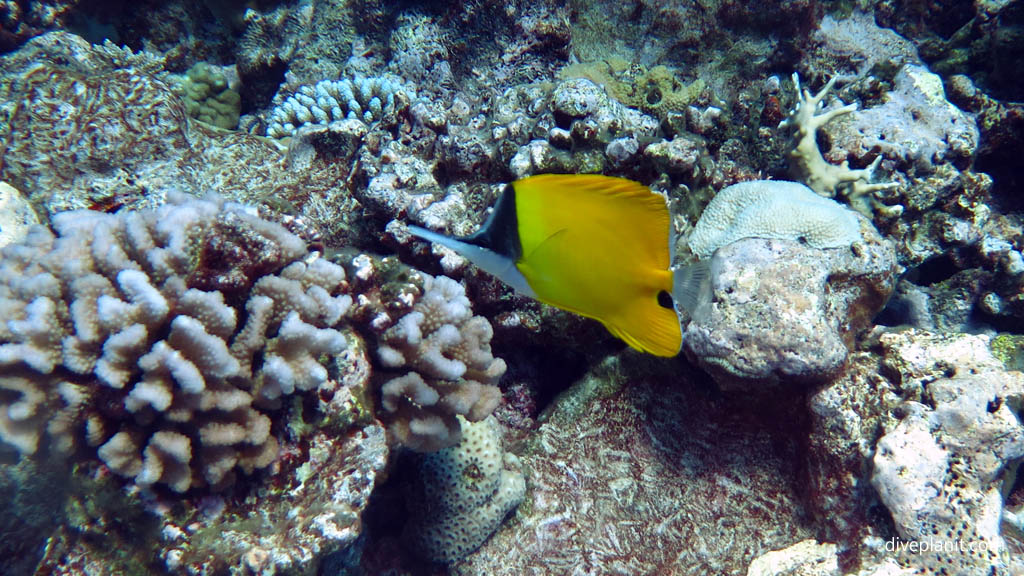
162,337
772,209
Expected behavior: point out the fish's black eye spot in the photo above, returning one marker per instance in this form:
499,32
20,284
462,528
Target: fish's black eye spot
665,300
802,240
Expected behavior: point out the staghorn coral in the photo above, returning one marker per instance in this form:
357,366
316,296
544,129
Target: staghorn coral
163,338
808,164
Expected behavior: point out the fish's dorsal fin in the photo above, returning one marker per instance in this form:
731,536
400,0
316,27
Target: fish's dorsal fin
594,184
486,259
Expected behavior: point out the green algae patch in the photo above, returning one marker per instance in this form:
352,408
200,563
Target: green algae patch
1009,349
657,90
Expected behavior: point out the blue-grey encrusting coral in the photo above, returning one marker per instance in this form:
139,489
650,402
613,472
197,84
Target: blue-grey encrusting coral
462,493
366,99
162,338
915,126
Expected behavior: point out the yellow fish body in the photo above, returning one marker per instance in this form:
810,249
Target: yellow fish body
595,245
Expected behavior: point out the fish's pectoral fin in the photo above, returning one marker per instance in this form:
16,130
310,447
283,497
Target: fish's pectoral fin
549,245
488,260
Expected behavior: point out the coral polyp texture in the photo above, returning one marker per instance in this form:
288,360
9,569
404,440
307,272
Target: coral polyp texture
208,97
772,209
163,338
366,99
463,493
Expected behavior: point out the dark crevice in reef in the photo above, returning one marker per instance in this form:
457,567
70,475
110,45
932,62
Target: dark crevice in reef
999,153
933,270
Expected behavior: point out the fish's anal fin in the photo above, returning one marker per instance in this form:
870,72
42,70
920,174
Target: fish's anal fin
501,266
662,334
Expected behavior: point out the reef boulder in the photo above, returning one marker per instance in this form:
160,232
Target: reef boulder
784,312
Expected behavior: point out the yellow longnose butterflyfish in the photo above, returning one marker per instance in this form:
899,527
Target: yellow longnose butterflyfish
595,245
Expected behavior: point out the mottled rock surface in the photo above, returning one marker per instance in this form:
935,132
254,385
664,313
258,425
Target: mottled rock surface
16,216
806,558
784,313
847,418
100,128
286,528
915,443
940,470
645,470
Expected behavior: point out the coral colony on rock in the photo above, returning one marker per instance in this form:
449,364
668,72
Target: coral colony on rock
569,288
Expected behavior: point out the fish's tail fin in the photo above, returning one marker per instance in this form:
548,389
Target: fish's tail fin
691,288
